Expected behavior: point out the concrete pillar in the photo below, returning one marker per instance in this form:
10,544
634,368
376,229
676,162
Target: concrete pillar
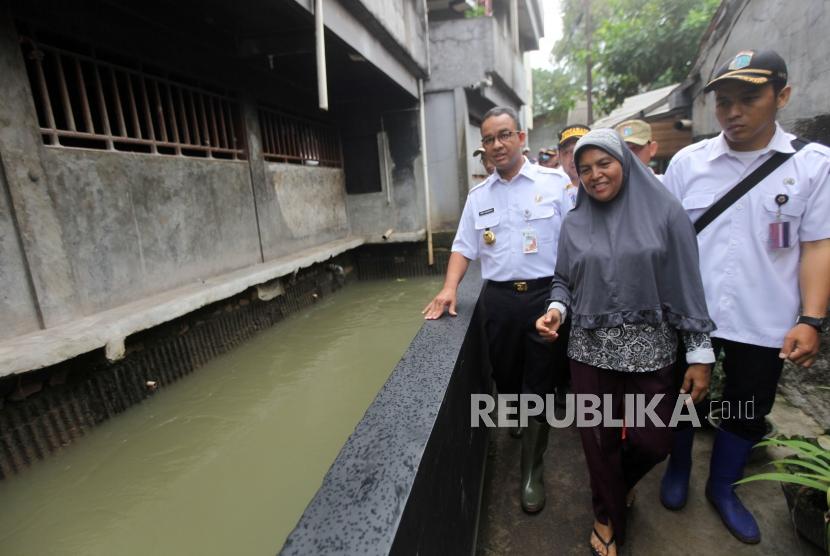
447,145
32,205
270,222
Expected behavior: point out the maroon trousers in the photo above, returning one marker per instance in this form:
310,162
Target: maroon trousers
618,458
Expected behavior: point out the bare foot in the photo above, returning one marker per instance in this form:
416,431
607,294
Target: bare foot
602,539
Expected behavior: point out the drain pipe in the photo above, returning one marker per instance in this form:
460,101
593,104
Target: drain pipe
320,36
430,254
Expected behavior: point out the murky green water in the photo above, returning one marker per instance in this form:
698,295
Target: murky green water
225,461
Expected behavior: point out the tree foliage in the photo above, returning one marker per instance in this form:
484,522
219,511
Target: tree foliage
636,45
555,92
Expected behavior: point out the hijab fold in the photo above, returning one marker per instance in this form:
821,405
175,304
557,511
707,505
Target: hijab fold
633,259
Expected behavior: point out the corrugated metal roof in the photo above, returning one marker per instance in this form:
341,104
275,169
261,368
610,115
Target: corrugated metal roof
651,103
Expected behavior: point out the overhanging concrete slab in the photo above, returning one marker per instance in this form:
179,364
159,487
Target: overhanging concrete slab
346,26
110,328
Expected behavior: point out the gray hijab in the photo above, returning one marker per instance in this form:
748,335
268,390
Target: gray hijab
632,259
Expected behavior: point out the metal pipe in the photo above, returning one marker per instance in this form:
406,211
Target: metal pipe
319,31
387,234
514,24
430,253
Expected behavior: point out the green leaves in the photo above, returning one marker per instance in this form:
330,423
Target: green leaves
554,93
636,45
809,467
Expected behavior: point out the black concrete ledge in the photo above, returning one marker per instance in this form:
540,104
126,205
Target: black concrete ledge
408,480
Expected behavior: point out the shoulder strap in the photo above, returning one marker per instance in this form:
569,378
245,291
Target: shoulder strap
743,187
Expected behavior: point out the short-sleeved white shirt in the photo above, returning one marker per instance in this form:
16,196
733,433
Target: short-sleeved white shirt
530,206
752,290
572,189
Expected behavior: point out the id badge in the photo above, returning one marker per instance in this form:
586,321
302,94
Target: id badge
529,243
779,235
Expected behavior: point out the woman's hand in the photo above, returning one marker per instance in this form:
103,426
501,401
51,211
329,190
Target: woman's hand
548,324
696,381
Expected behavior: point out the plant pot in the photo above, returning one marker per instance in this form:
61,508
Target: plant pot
808,508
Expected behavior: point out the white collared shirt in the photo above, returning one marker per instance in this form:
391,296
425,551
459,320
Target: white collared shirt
530,206
572,189
752,290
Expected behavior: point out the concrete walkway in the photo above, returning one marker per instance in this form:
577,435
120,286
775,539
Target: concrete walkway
564,525
109,329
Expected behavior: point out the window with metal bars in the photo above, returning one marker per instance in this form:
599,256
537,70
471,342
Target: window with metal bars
292,139
85,101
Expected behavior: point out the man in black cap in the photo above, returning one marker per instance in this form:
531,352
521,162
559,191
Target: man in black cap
765,264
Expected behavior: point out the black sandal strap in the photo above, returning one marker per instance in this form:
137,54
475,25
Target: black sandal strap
605,543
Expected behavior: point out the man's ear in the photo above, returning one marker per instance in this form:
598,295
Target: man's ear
783,97
652,148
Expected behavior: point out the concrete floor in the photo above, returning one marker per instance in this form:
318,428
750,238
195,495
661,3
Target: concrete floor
564,525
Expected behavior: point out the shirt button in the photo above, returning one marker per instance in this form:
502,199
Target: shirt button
739,206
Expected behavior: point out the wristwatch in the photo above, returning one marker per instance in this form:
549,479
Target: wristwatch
815,322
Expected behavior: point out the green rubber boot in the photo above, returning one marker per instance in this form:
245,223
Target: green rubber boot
534,443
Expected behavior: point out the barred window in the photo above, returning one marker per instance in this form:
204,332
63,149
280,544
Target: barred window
291,139
85,101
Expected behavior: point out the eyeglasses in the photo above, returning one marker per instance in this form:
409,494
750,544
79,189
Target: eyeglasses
544,157
502,136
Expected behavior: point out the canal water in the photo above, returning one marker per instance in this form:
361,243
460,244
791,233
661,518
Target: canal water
226,460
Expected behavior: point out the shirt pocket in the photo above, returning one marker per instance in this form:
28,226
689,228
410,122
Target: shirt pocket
696,205
490,222
544,219
791,212
487,221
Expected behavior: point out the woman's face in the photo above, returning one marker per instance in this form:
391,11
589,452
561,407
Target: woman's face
601,174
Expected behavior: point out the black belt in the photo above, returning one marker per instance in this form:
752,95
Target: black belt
522,286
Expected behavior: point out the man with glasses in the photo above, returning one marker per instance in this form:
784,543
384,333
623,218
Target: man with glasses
638,138
511,223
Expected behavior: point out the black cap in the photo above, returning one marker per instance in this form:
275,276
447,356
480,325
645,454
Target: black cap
573,132
751,66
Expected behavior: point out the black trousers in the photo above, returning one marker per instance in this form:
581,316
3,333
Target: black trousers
752,374
751,380
522,362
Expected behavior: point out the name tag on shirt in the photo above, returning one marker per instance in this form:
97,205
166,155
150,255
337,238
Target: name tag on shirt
779,235
529,243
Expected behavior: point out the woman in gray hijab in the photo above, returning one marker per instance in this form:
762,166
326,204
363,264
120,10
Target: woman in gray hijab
627,273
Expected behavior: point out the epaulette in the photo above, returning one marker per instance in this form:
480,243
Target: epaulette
473,188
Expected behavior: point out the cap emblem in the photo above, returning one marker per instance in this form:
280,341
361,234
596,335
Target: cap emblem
627,131
742,60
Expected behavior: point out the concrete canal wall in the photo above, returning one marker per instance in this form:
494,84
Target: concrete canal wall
409,479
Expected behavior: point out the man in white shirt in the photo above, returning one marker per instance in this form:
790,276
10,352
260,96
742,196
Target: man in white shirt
511,223
762,258
567,141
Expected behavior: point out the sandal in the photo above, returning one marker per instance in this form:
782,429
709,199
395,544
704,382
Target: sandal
607,543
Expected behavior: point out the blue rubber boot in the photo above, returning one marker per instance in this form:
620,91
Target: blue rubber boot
729,455
674,489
